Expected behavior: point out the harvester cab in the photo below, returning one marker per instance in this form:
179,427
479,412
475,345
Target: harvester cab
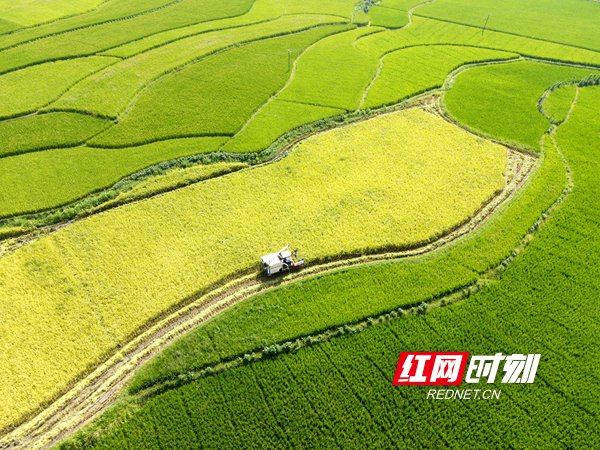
282,261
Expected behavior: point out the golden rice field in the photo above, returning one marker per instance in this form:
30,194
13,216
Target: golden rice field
73,295
173,179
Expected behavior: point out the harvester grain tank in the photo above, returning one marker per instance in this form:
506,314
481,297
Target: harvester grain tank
281,261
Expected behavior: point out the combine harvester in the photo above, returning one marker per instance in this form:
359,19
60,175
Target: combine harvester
281,262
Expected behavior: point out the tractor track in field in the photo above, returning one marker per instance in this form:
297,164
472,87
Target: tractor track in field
91,395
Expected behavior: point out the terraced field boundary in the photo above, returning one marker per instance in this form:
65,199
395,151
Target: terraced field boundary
245,290
95,392
458,295
23,228
18,228
83,27
203,57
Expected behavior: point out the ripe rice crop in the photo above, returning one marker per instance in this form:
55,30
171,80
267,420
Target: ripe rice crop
333,300
70,297
174,179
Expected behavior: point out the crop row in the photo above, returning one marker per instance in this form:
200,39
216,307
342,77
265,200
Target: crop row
24,14
539,20
39,180
216,95
29,173
107,12
480,86
123,80
92,40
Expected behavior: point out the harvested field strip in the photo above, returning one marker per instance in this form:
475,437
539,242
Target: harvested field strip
453,327
475,167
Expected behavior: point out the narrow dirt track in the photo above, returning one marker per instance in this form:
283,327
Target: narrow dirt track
94,393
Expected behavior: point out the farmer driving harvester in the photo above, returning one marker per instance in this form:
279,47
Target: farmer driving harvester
281,261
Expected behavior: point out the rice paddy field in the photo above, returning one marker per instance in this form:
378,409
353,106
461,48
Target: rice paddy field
435,163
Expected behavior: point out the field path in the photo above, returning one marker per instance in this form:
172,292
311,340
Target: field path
96,391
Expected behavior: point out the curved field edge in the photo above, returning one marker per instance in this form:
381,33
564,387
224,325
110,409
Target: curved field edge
477,174
20,223
544,182
551,322
97,390
12,231
541,186
64,206
542,191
